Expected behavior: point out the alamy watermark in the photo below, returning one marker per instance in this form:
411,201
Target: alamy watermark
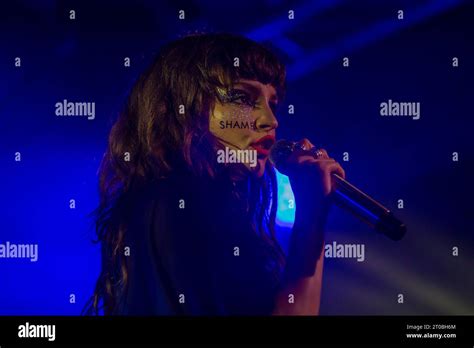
37,331
84,109
346,251
229,155
19,251
392,108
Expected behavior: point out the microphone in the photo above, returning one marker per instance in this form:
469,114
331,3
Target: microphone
349,197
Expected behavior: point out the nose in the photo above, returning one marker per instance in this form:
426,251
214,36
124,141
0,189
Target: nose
266,121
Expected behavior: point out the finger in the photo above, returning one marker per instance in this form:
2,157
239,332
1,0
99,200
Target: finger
305,143
306,147
327,168
303,146
340,171
311,159
323,154
328,186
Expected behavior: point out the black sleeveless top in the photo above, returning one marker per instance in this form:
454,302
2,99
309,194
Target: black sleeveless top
193,252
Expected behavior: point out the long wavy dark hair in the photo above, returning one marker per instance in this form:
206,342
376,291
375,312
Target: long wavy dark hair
151,136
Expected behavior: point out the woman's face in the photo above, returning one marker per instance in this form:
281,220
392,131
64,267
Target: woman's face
244,119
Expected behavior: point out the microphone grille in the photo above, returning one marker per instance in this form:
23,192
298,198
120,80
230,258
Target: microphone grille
280,151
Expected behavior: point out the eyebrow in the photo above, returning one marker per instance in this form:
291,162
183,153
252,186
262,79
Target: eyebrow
255,90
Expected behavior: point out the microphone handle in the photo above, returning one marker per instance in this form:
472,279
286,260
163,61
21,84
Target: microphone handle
367,209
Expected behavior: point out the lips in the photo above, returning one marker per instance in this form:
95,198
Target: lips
263,145
261,151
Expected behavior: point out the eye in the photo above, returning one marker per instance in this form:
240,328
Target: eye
240,97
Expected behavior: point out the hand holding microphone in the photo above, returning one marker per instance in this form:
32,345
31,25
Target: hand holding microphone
304,163
314,174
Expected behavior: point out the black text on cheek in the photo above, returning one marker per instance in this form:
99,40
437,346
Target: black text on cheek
236,124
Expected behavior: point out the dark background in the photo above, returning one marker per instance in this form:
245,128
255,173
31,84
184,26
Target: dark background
337,107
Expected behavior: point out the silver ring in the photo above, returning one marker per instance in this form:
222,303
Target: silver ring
317,153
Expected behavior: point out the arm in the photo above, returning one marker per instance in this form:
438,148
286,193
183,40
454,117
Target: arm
300,290
304,270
